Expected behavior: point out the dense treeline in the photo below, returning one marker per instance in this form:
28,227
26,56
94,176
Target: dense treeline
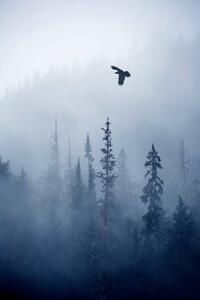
87,237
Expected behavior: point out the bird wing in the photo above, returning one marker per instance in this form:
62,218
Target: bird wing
117,69
121,79
127,74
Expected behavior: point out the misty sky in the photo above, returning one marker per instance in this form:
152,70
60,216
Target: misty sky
36,34
72,44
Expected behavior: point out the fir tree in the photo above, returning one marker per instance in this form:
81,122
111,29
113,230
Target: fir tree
107,175
152,195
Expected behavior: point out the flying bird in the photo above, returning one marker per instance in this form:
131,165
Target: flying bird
122,74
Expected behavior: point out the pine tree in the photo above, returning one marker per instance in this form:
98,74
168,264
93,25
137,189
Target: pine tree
107,175
152,195
182,229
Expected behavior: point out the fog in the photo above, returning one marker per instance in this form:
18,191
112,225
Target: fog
159,103
55,68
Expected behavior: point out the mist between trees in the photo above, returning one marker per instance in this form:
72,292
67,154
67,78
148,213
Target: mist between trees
98,235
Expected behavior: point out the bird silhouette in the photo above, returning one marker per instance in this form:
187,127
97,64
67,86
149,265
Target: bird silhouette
122,74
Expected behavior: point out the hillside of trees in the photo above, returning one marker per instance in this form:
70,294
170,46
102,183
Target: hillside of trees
89,233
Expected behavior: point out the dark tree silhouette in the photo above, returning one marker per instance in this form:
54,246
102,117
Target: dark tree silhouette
107,175
107,205
152,195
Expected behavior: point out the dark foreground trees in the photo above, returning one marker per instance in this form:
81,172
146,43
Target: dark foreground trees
82,238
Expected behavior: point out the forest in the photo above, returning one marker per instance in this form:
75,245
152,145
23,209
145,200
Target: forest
99,180
94,234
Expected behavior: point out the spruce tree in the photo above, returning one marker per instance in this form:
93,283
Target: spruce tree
152,195
107,175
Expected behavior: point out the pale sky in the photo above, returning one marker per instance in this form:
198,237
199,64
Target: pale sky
36,34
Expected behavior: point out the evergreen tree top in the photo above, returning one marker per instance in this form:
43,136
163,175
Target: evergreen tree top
153,190
108,161
107,129
153,159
